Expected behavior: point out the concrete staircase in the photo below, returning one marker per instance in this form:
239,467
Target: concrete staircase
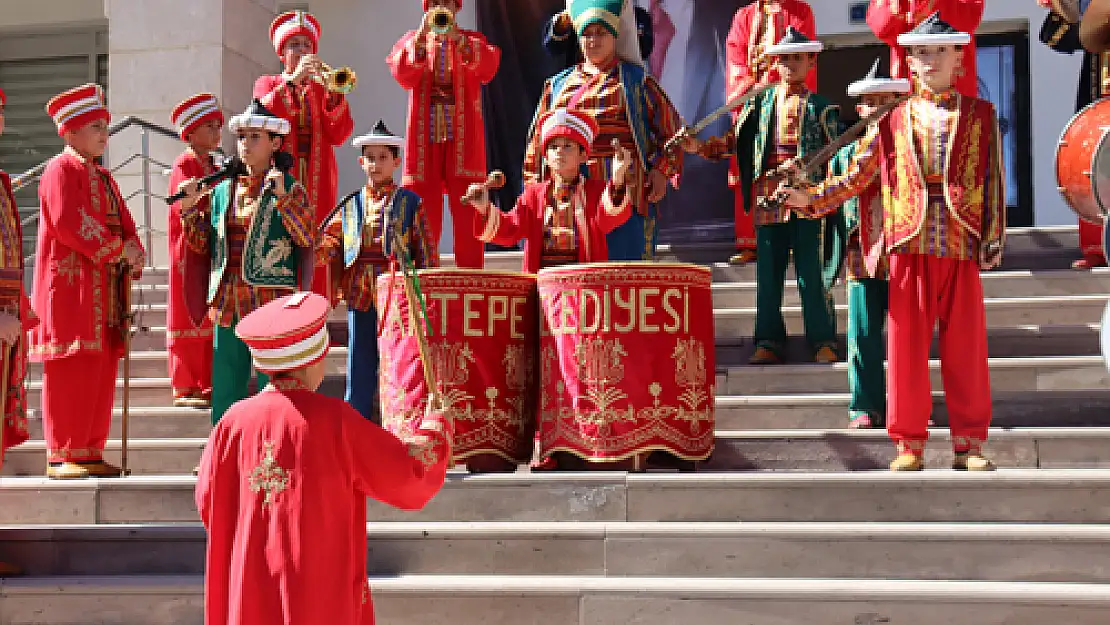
783,525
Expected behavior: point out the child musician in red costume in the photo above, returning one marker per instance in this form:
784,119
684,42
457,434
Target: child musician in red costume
943,219
87,246
756,27
564,219
446,151
284,480
188,328
320,120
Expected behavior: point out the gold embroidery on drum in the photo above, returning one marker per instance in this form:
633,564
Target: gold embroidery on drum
689,362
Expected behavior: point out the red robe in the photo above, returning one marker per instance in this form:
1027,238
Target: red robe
741,77
77,296
74,256
320,122
188,328
597,218
415,75
282,492
13,298
963,15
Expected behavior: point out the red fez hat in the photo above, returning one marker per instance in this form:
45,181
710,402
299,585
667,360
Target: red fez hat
3,98
287,334
575,125
194,111
291,24
77,108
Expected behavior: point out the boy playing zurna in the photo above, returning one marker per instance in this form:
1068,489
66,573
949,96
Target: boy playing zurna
360,238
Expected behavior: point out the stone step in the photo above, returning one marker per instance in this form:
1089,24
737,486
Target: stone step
1043,373
770,450
734,412
589,600
1005,496
730,291
1056,373
829,411
925,551
1024,409
734,324
1005,342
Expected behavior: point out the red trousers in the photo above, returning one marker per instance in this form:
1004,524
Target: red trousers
77,396
1090,241
190,362
923,290
469,251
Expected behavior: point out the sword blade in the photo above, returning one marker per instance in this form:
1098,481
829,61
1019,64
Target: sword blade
826,154
696,129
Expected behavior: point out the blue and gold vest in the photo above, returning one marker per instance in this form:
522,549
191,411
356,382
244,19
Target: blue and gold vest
401,213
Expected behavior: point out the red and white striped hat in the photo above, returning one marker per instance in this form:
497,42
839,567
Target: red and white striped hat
294,23
287,334
194,111
78,107
575,125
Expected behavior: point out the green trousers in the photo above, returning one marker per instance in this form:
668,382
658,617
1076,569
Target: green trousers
774,244
231,371
867,308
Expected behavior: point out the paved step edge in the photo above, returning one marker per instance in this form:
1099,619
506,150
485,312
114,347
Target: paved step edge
1024,593
510,530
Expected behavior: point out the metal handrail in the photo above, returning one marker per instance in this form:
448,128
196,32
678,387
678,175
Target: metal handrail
29,176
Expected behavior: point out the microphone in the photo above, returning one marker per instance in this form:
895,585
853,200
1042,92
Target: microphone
283,162
231,167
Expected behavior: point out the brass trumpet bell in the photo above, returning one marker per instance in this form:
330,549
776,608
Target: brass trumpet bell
441,20
342,80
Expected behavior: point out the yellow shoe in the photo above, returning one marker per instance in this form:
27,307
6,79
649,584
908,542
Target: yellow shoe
8,569
103,469
743,257
66,471
908,462
967,461
764,356
826,356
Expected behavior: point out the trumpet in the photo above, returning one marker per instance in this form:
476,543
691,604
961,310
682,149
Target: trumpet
342,80
440,20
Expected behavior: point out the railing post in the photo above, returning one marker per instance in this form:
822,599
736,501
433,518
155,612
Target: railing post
146,197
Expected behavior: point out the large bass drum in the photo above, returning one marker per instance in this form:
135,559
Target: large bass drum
1083,162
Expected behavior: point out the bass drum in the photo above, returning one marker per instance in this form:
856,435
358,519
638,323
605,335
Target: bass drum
1083,162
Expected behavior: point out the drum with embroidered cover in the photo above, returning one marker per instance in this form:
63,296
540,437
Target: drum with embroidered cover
482,333
627,361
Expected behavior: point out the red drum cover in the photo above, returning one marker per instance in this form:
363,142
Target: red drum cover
482,335
627,360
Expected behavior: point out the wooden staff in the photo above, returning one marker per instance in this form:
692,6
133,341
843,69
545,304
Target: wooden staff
125,329
4,388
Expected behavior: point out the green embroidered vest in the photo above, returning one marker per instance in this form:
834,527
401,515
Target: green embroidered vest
270,258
